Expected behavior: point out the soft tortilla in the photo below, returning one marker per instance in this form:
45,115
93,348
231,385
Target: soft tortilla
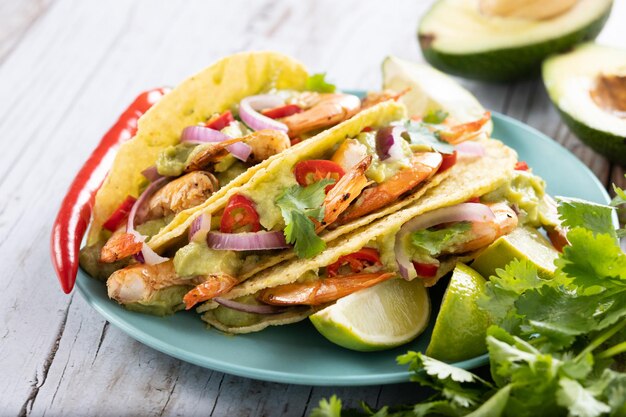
263,175
212,90
468,178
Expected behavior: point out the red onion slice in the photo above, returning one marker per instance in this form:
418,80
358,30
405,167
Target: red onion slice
472,212
201,134
388,145
200,227
249,112
248,308
470,148
247,241
152,174
148,256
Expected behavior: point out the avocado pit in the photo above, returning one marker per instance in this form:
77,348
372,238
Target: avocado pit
609,93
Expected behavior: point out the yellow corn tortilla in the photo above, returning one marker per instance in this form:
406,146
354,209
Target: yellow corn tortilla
263,174
212,90
469,178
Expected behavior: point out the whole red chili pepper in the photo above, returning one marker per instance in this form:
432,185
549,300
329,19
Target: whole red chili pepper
71,222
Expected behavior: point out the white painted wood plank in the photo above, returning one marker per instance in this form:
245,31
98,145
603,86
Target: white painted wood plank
16,18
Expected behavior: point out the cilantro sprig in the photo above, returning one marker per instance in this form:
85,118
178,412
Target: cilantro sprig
298,205
558,346
419,134
318,83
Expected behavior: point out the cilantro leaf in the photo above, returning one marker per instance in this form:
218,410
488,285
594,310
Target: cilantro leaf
435,117
318,83
593,260
328,408
502,290
419,134
620,196
495,405
298,205
579,401
442,370
580,213
434,241
458,386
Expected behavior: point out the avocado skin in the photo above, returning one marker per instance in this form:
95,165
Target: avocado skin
508,64
605,143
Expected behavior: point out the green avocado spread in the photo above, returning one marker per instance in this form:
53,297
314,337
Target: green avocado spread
267,191
235,318
524,191
172,160
164,302
197,259
379,170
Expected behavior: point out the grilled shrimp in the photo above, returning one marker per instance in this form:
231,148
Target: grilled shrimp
376,97
323,290
487,232
210,153
346,190
423,166
466,131
185,192
327,110
213,286
137,283
119,246
265,143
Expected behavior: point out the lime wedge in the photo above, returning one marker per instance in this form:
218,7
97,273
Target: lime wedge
523,243
387,315
461,327
430,90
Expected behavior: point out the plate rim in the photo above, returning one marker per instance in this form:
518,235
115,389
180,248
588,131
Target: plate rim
207,362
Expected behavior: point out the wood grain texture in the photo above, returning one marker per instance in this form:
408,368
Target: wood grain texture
66,69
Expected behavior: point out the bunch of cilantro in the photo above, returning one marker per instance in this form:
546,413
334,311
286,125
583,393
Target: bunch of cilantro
558,346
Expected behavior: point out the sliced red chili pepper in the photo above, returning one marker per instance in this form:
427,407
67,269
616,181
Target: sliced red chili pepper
295,141
282,111
314,170
239,216
73,217
449,159
120,214
521,166
425,270
473,200
366,129
357,261
221,121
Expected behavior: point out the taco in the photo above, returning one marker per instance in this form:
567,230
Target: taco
344,178
209,134
479,201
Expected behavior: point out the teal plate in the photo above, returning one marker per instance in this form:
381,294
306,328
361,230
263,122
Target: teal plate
298,354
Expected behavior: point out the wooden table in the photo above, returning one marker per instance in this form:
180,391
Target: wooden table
67,68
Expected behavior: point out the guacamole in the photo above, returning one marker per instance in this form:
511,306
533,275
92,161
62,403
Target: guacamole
524,192
172,160
379,170
197,259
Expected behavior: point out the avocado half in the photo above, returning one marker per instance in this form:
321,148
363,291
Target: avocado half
588,87
458,38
